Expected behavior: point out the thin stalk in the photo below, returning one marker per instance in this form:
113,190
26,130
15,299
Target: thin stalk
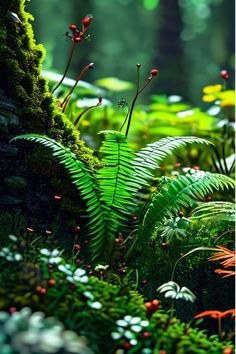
133,103
219,327
85,111
224,159
172,308
126,117
67,67
190,252
88,67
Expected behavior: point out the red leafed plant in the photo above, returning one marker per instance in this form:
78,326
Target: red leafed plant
227,258
218,315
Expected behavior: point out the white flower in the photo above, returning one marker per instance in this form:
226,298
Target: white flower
10,256
95,305
51,257
101,267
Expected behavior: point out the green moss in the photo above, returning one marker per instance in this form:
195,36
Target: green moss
20,63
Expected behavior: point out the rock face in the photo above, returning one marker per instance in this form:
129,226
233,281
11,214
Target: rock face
27,106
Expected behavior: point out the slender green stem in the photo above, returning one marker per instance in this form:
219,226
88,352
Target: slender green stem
172,308
190,252
67,67
85,111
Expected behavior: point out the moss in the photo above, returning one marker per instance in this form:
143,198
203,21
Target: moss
20,64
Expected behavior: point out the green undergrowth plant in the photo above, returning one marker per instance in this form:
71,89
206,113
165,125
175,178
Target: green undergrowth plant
111,317
112,195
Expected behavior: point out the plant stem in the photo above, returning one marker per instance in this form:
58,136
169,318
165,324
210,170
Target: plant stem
172,308
67,67
190,252
219,327
66,99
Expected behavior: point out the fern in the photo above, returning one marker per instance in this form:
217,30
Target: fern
177,193
218,211
82,179
149,157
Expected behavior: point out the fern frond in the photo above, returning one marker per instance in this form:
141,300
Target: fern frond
180,192
85,184
218,211
116,177
149,157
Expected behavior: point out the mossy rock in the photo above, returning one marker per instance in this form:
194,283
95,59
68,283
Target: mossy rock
21,81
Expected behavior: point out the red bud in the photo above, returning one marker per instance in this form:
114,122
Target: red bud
154,72
87,21
224,74
72,27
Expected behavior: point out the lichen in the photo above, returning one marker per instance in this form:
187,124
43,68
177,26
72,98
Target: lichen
20,79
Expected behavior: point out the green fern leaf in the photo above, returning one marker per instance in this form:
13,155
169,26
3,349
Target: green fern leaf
149,157
85,184
178,193
218,211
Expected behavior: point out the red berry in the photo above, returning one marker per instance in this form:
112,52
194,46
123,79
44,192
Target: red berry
12,309
155,304
196,167
57,197
164,246
228,351
154,72
77,261
77,247
86,241
52,282
127,345
90,273
144,281
77,229
148,305
134,217
88,266
72,27
161,351
29,229
122,271
178,164
146,334
224,74
40,290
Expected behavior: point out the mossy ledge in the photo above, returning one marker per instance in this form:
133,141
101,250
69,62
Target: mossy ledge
20,80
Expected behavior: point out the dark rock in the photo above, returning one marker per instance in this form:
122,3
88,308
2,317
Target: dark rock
8,151
6,200
15,183
3,124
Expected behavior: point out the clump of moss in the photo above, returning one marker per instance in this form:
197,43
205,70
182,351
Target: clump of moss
20,65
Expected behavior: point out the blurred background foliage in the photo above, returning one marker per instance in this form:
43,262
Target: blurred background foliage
190,41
